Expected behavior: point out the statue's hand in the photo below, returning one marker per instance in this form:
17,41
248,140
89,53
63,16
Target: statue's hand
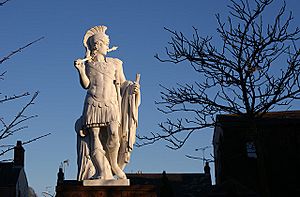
135,88
79,65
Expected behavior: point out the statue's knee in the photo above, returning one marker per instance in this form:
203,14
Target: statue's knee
114,137
113,142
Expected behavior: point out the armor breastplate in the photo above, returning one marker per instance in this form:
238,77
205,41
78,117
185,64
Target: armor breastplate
102,78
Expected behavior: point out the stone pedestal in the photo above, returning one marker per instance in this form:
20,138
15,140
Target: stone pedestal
113,182
76,189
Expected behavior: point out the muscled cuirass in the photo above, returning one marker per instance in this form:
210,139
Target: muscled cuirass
102,76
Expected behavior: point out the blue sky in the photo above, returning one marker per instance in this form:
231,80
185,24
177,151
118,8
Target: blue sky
136,27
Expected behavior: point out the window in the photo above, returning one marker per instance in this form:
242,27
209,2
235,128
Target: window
251,150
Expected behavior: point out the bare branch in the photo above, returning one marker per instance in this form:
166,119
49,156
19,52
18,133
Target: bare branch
4,2
9,98
11,147
19,50
199,158
35,139
19,118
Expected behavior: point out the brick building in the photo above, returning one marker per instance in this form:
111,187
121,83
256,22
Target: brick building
262,157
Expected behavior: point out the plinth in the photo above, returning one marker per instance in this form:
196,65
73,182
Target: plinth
72,188
112,182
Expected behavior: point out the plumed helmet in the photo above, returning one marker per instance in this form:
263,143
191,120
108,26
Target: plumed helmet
98,31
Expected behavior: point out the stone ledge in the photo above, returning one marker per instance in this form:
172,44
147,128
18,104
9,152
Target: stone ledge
101,182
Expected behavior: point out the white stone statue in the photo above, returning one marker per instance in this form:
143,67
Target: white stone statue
106,130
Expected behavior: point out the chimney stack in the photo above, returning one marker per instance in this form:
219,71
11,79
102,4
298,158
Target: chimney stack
207,168
19,154
60,176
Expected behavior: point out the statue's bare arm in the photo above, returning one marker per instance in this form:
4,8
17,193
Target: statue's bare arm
84,80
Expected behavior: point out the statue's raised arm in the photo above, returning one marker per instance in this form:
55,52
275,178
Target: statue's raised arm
106,129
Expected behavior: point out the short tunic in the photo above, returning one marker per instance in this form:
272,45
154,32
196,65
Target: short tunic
99,111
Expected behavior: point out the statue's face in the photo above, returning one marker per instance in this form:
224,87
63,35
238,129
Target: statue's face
98,45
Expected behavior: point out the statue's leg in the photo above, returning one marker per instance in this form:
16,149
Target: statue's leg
113,145
98,155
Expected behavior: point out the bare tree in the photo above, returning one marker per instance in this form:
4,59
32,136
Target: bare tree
16,124
255,70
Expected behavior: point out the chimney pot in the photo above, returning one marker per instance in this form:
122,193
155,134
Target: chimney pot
19,154
207,168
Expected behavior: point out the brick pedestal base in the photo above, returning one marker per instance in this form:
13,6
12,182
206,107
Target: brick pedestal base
76,189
